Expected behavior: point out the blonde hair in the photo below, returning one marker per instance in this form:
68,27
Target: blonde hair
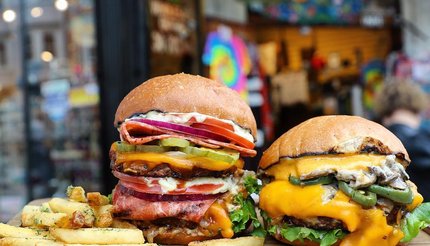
400,94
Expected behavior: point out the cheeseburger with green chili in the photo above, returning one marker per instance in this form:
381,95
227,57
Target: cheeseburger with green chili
340,180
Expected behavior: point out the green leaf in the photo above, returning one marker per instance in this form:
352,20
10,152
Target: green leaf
272,230
324,238
331,237
415,221
110,196
245,214
251,184
259,232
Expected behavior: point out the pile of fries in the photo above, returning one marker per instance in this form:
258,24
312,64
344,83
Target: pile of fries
82,219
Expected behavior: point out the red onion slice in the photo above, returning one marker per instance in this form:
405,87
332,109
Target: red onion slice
169,198
182,129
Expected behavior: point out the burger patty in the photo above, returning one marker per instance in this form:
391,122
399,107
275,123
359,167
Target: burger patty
164,170
318,223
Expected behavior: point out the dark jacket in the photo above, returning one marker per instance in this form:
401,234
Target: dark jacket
417,143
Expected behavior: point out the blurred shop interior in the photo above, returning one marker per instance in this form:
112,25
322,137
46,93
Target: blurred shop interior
66,64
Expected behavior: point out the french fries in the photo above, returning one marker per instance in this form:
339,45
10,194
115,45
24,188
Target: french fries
15,241
103,216
70,208
76,193
21,232
97,235
96,199
134,244
32,216
240,241
45,208
59,222
117,223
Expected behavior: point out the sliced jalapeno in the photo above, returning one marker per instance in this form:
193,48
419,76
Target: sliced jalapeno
320,180
400,196
365,198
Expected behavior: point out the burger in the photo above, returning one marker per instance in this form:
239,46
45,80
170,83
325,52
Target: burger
180,160
339,180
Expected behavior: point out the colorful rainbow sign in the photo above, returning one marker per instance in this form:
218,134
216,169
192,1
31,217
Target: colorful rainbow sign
228,61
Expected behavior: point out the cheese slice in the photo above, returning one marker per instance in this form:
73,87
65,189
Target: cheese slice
418,198
219,220
304,166
367,226
176,159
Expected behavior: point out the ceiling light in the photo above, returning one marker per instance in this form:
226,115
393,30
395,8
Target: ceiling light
9,15
46,56
36,12
61,5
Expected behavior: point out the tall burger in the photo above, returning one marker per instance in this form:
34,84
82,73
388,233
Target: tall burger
340,180
180,160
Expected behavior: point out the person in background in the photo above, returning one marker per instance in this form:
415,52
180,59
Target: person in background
399,105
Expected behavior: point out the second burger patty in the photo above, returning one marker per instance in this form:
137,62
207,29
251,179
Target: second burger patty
164,170
318,223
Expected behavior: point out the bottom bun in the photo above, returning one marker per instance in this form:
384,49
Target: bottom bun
240,241
180,238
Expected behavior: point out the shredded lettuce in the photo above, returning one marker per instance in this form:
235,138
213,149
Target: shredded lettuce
415,221
244,215
324,238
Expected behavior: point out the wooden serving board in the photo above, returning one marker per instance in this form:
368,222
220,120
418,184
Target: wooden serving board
422,239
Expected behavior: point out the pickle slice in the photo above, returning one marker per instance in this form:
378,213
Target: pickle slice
125,147
151,148
223,155
219,155
174,142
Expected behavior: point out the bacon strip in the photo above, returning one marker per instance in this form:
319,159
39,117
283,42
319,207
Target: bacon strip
135,132
126,206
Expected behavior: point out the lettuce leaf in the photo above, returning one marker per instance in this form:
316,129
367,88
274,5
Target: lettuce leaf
244,215
324,238
252,185
415,221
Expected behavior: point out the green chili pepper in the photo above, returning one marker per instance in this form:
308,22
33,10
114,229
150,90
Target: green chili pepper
400,196
365,198
320,180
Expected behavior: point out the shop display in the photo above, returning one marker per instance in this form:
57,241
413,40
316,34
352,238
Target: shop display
372,76
228,59
12,182
61,145
312,11
173,36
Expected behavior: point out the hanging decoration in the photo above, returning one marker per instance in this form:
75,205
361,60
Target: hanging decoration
373,77
311,11
228,59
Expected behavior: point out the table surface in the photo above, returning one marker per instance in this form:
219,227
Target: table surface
422,239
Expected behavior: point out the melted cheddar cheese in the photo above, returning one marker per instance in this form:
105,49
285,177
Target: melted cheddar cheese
219,220
183,161
368,227
418,198
309,164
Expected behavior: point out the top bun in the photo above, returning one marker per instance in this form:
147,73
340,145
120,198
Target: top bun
185,93
334,134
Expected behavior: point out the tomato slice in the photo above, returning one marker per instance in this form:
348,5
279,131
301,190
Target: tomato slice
151,185
225,133
212,122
